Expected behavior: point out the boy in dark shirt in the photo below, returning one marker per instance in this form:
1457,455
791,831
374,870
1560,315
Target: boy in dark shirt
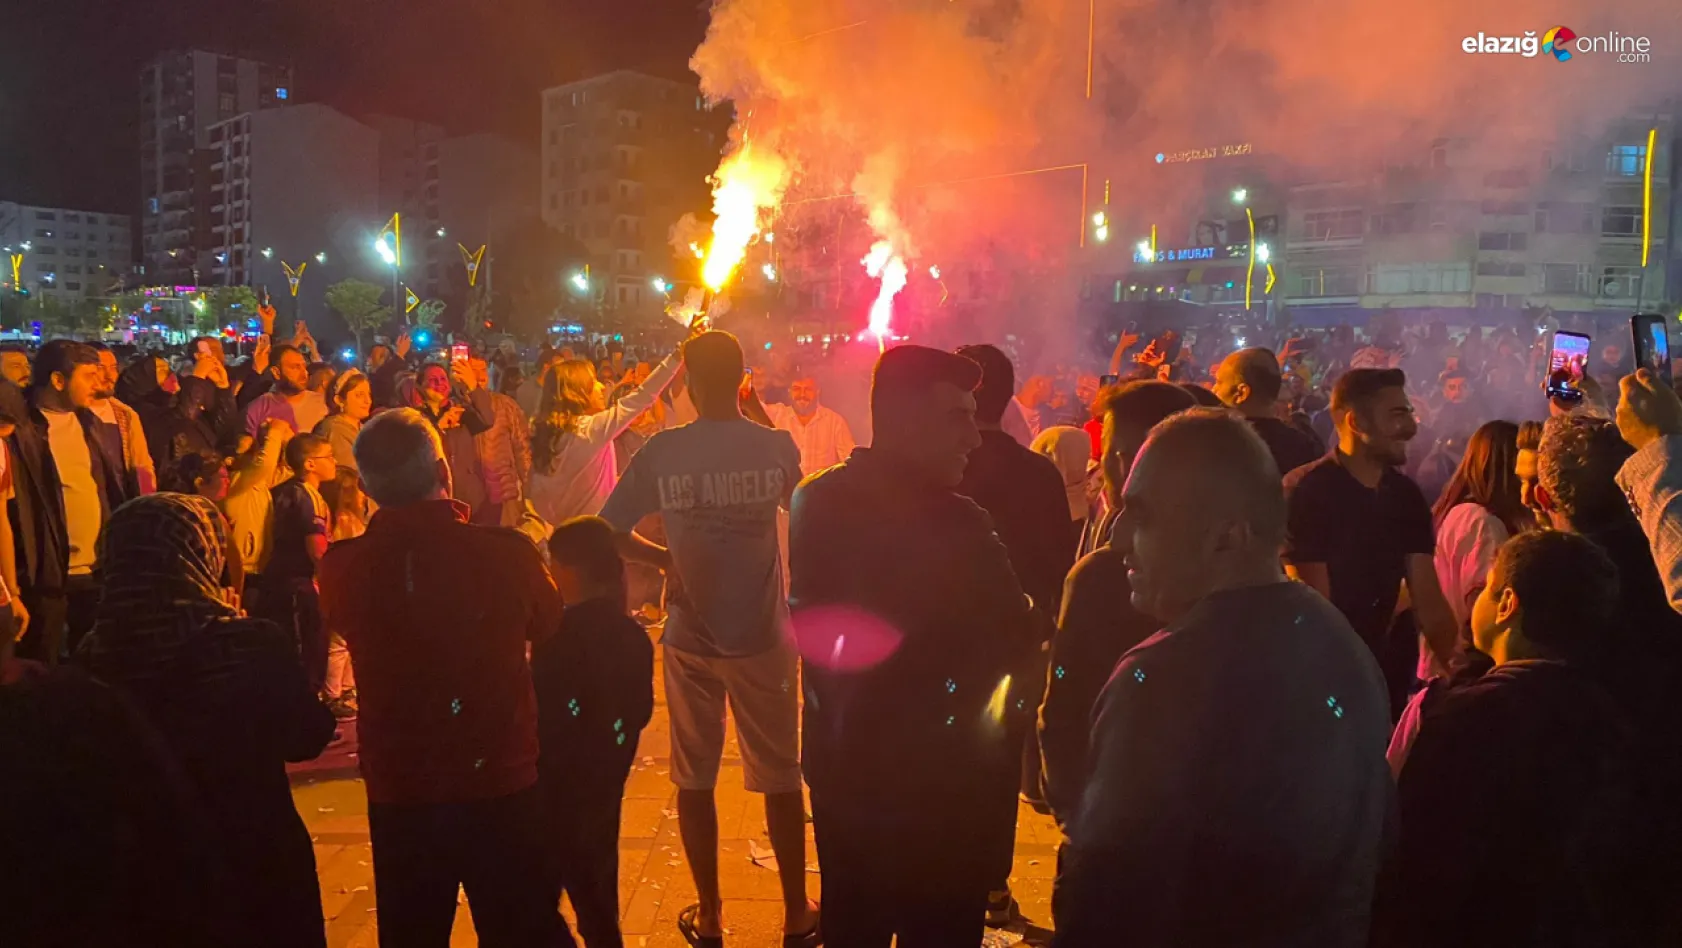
287,594
595,693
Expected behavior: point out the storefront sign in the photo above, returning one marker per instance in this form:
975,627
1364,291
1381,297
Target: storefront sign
1202,154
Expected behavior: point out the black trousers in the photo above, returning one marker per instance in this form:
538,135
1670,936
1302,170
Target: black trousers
58,621
583,834
295,606
874,890
492,848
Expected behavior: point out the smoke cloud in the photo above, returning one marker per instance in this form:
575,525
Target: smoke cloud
914,121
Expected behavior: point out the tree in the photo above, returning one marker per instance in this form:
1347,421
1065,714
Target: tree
75,318
232,304
358,303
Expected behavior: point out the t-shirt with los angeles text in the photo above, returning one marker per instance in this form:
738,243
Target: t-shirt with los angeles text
717,486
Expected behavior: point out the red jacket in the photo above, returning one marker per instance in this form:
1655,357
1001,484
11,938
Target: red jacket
437,613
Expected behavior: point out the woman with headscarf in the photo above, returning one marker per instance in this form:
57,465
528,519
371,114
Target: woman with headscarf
573,465
1070,449
228,695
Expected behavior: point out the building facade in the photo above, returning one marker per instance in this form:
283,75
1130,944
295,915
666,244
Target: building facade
183,94
624,156
1459,231
295,188
64,253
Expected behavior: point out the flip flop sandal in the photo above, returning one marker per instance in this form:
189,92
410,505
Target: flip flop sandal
811,939
686,928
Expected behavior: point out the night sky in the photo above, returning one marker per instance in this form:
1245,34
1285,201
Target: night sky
69,81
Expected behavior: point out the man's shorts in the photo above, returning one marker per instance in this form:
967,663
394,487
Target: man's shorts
763,692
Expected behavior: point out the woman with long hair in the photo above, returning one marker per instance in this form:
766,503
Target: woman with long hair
1480,508
350,401
573,469
227,694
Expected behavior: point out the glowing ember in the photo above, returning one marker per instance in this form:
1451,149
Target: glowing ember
748,181
882,263
695,249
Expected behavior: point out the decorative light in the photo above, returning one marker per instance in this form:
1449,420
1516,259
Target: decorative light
660,285
934,272
384,249
441,232
1263,253
268,252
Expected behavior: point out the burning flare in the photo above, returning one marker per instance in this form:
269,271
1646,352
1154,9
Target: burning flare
750,180
882,263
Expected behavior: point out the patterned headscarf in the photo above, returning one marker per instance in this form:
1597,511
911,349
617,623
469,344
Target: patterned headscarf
161,561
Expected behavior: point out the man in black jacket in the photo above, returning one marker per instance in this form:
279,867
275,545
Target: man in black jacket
911,625
65,483
1023,493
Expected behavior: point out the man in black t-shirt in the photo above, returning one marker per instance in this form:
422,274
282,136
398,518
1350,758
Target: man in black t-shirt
1248,382
1359,528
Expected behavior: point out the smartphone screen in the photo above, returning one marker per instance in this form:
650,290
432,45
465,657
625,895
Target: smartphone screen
458,352
1567,364
1108,380
1652,344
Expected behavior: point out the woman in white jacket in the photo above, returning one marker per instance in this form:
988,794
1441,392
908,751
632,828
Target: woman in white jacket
573,468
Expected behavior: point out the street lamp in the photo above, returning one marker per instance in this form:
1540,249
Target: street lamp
268,253
582,282
441,232
321,257
388,252
660,285
1240,195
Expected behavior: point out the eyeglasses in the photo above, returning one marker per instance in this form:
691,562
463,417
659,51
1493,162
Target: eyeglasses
320,457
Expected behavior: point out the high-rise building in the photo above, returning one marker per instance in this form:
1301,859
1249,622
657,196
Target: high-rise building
182,95
624,156
63,253
293,187
487,185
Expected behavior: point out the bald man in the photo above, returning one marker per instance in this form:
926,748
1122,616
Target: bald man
1248,382
1238,786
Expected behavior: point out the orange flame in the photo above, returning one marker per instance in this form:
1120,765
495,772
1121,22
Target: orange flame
748,182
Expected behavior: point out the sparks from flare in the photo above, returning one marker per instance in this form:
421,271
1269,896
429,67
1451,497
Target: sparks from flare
882,263
749,181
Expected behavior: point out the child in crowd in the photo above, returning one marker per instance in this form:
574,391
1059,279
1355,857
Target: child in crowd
298,539
347,510
595,692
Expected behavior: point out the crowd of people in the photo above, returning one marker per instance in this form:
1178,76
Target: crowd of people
1342,641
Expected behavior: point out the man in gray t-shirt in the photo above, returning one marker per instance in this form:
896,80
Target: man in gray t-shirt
717,483
717,486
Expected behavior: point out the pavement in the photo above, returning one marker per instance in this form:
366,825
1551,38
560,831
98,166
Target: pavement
654,882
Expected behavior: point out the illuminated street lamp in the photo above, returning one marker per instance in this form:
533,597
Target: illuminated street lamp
268,253
582,281
383,247
441,232
1262,253
660,285
1240,195
321,257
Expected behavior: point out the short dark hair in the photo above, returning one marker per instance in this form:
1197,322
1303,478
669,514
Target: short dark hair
1259,369
1356,387
280,350
1577,466
906,372
60,355
1529,435
16,348
299,449
1200,394
714,361
587,544
1566,585
1144,402
998,381
97,346
182,475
